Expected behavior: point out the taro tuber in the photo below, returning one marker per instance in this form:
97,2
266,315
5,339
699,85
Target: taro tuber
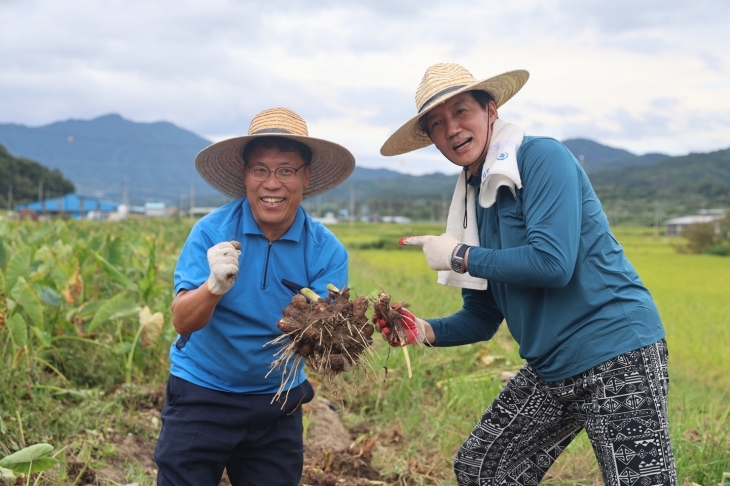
396,333
329,334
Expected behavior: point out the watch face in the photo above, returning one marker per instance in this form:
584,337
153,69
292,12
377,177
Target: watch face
458,265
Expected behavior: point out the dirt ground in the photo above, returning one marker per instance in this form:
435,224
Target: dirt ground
332,455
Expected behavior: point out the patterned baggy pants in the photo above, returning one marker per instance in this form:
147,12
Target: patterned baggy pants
621,403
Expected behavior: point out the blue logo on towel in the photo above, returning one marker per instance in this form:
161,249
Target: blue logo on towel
503,156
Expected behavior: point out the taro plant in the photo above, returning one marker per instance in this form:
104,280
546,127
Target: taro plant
32,459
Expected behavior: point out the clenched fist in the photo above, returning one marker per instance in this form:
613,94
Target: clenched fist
223,262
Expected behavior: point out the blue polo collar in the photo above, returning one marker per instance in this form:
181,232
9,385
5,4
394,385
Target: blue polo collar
249,226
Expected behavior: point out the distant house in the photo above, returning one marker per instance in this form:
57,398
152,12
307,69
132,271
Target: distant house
396,219
675,226
155,210
201,210
71,206
328,218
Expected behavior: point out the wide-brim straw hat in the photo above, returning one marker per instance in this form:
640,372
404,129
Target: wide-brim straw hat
441,82
222,166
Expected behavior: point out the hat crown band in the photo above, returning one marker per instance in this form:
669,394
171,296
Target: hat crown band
441,93
272,130
438,78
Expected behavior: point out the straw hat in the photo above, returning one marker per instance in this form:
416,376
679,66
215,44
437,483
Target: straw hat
222,166
441,82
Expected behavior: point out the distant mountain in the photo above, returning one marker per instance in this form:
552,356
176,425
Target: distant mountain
372,184
364,174
687,183
22,179
99,155
672,186
388,184
596,157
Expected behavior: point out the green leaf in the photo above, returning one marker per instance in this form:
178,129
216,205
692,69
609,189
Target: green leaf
42,464
25,456
41,234
27,298
18,330
62,232
60,280
147,283
114,273
115,308
85,311
49,296
3,254
115,251
42,336
18,265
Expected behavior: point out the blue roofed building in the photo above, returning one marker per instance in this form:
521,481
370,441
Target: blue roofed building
72,206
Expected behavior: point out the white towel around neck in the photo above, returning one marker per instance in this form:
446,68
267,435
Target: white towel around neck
500,169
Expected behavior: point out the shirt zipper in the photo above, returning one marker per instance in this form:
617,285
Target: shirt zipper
266,265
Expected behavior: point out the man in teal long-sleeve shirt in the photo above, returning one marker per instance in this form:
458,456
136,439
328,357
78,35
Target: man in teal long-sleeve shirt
528,242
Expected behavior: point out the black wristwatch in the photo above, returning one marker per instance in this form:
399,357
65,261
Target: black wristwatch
457,262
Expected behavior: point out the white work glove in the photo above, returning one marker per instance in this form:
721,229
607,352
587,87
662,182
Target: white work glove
438,249
223,262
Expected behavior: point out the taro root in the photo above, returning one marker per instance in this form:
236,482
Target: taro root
331,335
382,307
394,322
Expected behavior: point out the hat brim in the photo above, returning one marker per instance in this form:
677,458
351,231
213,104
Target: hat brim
221,164
409,136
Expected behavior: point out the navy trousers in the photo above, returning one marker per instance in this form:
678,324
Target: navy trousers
205,431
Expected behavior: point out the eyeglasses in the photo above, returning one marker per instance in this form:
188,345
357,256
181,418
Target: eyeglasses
260,173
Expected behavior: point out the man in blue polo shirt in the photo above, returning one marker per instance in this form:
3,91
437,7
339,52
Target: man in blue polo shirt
238,269
527,241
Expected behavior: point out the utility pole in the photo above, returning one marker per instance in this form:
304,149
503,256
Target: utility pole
10,197
125,197
40,192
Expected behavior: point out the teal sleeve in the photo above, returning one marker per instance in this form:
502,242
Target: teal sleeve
478,320
551,205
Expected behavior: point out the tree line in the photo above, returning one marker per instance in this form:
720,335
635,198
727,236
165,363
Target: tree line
23,180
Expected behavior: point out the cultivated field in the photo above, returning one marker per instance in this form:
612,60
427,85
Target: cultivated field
84,361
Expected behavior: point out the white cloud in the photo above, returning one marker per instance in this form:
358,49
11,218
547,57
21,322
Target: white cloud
647,76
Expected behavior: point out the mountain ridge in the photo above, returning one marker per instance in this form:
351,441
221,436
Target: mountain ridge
109,155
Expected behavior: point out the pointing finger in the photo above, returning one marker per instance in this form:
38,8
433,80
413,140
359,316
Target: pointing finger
414,240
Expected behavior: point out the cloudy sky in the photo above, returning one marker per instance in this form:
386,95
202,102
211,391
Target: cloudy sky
647,75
